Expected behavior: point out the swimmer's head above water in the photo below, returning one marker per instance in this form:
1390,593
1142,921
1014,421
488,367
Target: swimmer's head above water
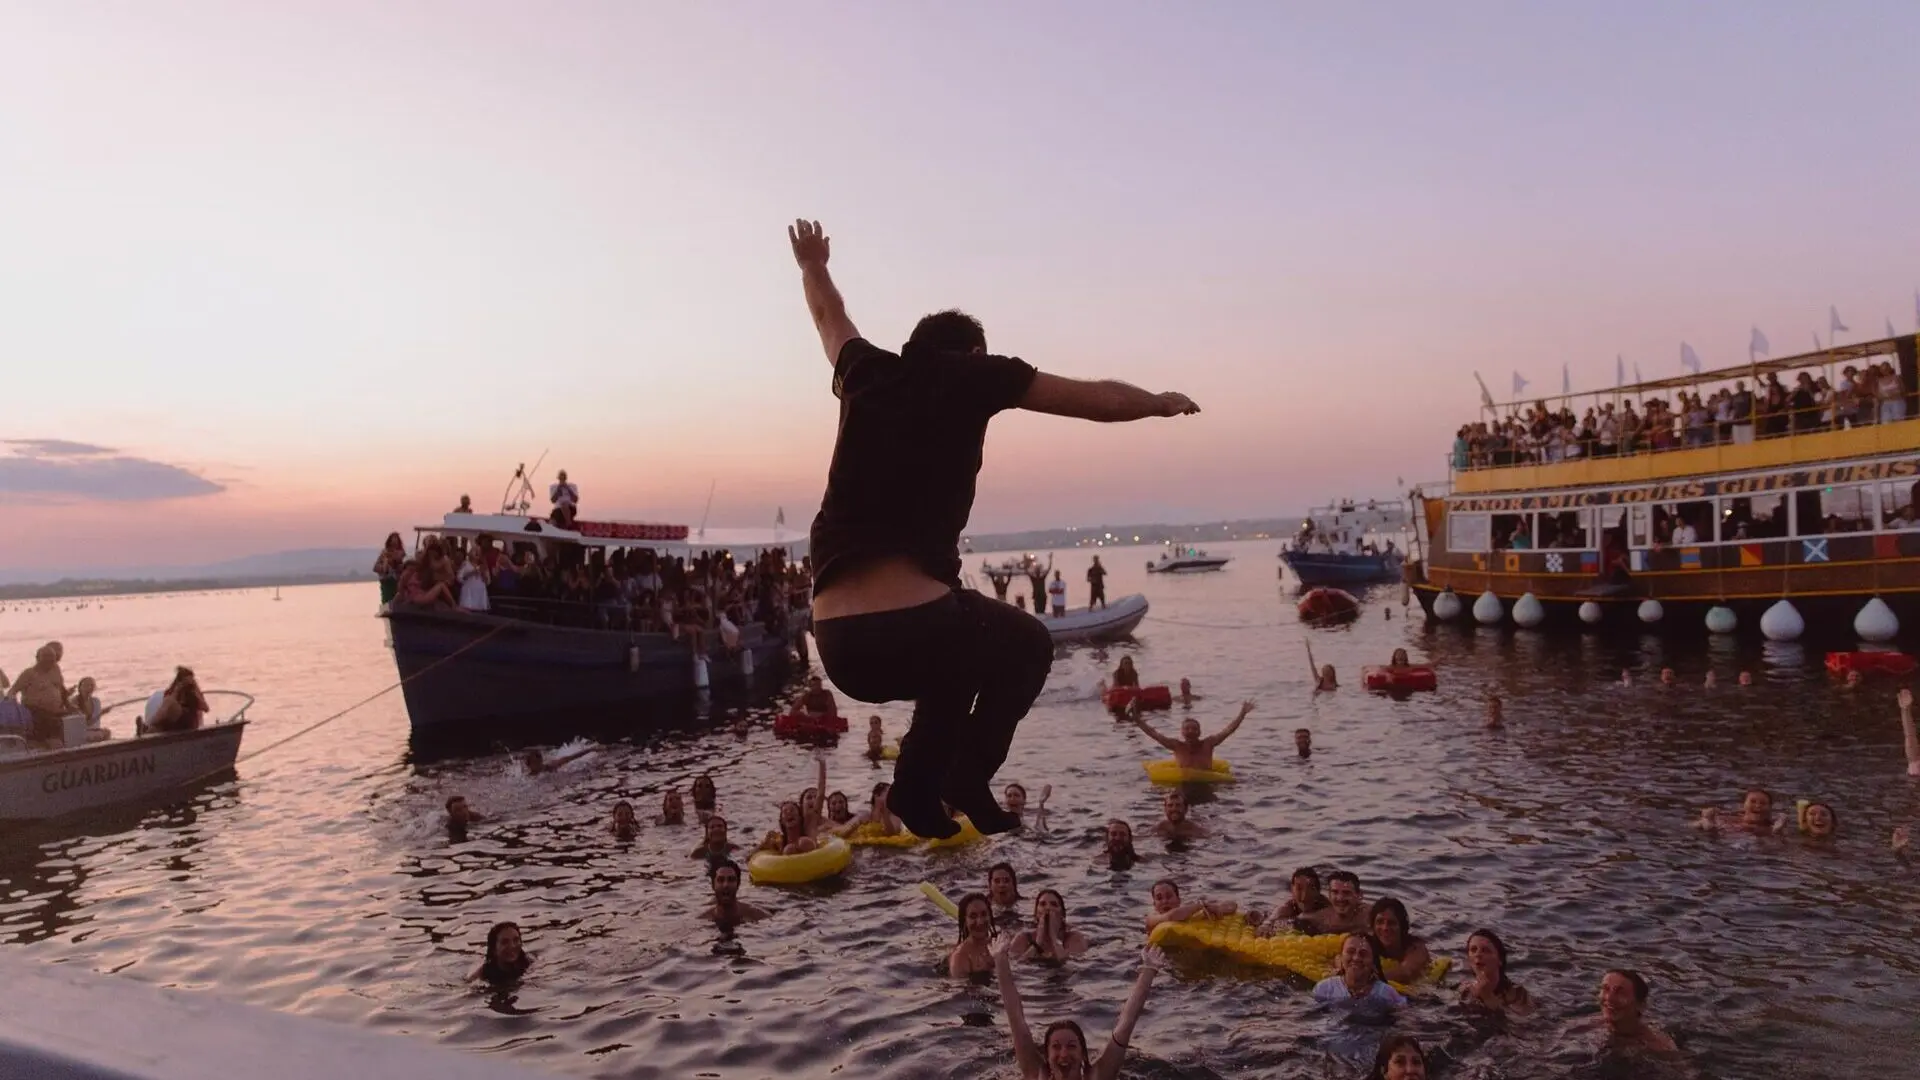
458,812
1343,891
1166,895
1066,1048
1666,676
1390,925
716,833
1399,658
704,792
1623,998
1190,731
1756,808
838,811
724,875
1003,888
623,824
672,810
1120,854
1328,680
1304,888
1819,821
975,917
1303,741
1174,805
1016,799
1399,1058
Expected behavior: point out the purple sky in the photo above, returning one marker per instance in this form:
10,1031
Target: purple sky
343,262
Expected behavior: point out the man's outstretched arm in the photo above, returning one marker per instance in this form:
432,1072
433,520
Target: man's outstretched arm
810,249
1106,400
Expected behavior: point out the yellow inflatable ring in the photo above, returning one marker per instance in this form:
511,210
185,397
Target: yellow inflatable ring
940,900
967,835
1310,956
830,858
871,835
890,752
1167,771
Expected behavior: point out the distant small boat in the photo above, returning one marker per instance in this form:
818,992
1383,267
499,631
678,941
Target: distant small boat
1111,623
1186,560
1347,544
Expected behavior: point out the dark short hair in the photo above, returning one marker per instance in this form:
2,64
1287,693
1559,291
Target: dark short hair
451,799
1307,872
1347,876
1639,983
714,867
951,330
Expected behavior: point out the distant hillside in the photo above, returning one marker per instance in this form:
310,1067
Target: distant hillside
283,567
1153,534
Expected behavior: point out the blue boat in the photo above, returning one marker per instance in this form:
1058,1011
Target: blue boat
1347,544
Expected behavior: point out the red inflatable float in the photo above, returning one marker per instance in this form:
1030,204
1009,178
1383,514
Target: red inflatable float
802,724
1871,663
1322,606
1414,677
1150,697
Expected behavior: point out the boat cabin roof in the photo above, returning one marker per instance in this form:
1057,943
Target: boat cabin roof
516,528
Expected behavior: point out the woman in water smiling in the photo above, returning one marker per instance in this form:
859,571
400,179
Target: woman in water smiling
792,839
1399,1058
672,810
974,954
506,961
1052,940
1357,980
1489,988
706,797
1403,956
1168,908
876,814
623,826
1818,821
1062,1051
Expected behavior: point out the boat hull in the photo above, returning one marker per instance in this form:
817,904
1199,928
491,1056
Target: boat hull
62,782
1114,622
465,669
1314,570
1828,618
1187,566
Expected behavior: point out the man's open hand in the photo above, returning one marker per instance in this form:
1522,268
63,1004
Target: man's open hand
1171,404
810,244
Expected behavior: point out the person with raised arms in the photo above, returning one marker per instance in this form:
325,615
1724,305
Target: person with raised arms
1062,1053
890,618
1190,750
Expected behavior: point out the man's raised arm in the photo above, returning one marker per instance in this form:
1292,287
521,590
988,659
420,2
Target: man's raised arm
1105,400
810,249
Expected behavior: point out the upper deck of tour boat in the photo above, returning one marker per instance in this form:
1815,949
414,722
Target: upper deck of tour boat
1799,444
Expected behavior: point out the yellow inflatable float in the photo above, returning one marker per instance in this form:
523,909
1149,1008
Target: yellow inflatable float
871,835
1169,772
1309,956
830,858
940,900
967,835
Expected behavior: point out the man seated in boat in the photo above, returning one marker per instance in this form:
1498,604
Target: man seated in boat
818,702
1191,750
182,707
42,690
565,497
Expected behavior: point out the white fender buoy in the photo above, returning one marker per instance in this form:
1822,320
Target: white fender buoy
1528,611
633,658
1446,606
1590,613
1651,611
1721,619
1782,622
746,662
1876,621
1488,608
700,678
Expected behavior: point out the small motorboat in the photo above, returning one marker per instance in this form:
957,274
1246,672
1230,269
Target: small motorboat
1114,622
1186,560
1347,544
95,770
1326,606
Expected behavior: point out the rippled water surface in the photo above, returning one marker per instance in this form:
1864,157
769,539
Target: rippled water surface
320,882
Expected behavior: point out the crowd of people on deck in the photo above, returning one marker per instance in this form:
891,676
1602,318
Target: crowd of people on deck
1543,434
704,599
34,705
1379,956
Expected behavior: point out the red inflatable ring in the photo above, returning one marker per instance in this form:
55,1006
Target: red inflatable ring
1150,697
1871,663
1419,677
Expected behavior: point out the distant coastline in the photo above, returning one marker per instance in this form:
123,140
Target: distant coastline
70,589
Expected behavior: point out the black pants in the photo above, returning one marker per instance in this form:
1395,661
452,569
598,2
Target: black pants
1097,595
971,666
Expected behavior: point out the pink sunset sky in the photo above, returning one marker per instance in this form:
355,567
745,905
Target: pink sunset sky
295,274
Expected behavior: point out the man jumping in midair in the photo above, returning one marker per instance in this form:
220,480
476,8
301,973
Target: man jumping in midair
889,616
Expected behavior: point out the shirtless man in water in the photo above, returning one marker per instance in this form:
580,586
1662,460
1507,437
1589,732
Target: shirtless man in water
1190,750
1345,913
728,909
890,618
1176,825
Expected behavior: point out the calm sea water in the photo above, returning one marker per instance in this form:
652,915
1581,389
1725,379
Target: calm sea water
320,881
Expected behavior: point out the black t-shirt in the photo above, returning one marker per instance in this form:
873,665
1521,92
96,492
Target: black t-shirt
904,464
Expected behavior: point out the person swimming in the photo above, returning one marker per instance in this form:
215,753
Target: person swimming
1666,676
1303,743
1344,913
1190,750
714,846
1357,980
706,797
1119,846
623,826
876,739
1176,825
1326,680
1496,717
1818,821
1623,1009
460,815
1403,956
1167,906
1303,899
1909,737
838,811
1003,888
1489,987
1187,696
728,910
537,763
672,810
876,814
1400,1056
1062,1051
1399,659
973,954
1125,674
1756,815
792,838
1015,798
1052,938
506,960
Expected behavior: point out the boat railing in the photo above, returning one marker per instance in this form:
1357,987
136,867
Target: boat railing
582,614
239,714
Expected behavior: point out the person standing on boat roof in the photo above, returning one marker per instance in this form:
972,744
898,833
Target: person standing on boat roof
1096,585
890,619
565,497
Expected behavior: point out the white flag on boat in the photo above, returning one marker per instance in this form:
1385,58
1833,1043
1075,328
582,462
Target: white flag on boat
1891,332
1834,325
1486,395
1519,385
1619,370
1816,342
1691,360
1566,379
1637,377
1757,346
780,517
